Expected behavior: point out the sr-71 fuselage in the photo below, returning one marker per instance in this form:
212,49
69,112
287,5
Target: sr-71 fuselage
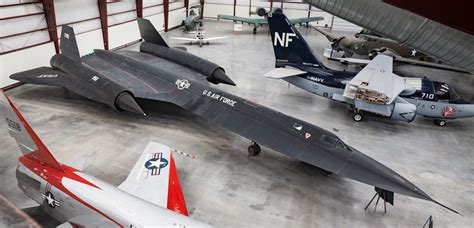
166,74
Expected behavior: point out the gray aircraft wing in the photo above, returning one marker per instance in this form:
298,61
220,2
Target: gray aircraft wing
330,36
305,20
256,21
42,75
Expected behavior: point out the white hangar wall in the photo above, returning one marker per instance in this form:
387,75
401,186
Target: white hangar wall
25,42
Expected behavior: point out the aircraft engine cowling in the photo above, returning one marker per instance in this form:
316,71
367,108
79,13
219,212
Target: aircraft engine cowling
213,72
95,86
261,11
403,112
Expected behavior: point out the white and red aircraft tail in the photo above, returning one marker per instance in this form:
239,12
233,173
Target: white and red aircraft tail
150,196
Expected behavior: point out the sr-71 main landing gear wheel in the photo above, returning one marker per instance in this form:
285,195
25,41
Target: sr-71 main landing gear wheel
254,149
254,30
357,117
440,123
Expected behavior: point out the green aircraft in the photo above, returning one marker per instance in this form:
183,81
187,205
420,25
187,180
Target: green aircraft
257,22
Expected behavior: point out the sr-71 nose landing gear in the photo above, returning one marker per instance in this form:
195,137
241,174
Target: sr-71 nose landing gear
254,149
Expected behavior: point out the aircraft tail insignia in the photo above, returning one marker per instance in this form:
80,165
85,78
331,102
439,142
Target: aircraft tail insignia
288,44
68,44
155,178
149,33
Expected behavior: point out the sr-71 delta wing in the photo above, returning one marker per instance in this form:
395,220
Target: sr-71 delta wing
166,74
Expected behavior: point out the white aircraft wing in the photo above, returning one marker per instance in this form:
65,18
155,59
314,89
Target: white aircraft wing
196,32
376,83
154,178
185,39
281,72
214,38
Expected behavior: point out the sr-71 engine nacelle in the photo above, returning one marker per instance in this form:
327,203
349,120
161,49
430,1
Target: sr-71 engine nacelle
91,84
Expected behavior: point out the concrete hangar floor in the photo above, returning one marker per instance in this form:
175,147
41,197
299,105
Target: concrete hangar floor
225,187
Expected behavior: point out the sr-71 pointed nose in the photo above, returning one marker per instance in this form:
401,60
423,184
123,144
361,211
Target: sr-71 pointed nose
126,102
219,76
367,170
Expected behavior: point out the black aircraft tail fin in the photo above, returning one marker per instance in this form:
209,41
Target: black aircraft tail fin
149,33
288,44
69,44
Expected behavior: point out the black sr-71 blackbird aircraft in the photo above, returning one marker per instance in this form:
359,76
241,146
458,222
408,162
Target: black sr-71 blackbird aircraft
166,74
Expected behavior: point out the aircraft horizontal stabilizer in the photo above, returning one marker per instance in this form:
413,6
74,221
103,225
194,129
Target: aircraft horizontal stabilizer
215,38
185,39
154,178
279,73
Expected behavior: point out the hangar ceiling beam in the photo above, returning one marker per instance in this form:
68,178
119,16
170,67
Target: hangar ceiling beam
186,4
20,4
104,22
50,15
166,10
202,7
139,7
235,5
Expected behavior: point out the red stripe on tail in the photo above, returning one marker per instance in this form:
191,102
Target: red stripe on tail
42,155
175,194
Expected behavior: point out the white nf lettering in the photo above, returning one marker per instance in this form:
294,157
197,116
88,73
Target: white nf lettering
284,39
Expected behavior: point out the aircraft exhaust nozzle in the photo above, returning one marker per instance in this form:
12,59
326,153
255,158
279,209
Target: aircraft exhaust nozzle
219,76
126,102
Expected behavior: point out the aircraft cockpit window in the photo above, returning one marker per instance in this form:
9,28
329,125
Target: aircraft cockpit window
329,140
340,145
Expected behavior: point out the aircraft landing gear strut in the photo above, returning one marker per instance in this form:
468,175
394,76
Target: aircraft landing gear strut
357,117
254,149
440,123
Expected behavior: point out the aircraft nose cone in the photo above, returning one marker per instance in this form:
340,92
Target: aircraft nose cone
125,101
374,173
219,76
367,170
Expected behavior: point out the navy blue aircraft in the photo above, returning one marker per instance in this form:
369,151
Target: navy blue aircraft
375,89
